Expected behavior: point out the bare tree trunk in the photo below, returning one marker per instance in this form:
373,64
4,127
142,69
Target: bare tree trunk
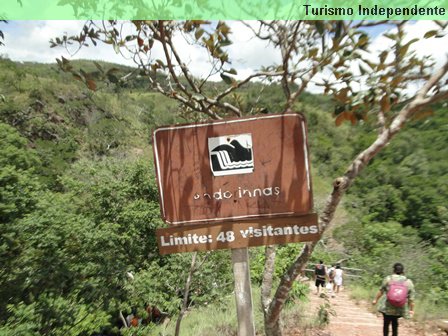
272,317
268,275
273,329
186,293
266,285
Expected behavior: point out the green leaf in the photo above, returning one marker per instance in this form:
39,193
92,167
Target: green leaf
390,36
231,71
98,66
198,34
77,77
112,78
129,38
227,79
404,49
112,70
313,52
223,28
319,26
225,43
383,56
430,33
363,40
64,60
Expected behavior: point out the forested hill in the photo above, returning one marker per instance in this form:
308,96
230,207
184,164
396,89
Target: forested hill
79,205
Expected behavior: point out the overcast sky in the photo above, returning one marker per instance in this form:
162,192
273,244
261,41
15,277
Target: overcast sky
29,41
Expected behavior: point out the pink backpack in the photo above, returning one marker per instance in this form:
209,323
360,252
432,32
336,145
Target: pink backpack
397,295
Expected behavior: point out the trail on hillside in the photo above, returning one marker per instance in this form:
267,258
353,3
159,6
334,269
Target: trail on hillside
352,319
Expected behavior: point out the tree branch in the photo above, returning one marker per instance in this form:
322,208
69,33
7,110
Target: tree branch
163,41
161,36
245,81
287,47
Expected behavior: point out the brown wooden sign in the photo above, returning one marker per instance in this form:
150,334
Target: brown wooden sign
237,235
233,170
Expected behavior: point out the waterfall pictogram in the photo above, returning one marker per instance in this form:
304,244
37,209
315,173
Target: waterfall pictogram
231,154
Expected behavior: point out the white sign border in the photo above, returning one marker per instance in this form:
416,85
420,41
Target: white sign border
221,123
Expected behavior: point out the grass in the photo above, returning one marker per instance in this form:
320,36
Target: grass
221,319
214,319
361,294
428,310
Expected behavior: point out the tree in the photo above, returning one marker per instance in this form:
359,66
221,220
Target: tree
335,55
19,193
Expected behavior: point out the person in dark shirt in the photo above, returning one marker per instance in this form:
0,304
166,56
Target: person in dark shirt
320,275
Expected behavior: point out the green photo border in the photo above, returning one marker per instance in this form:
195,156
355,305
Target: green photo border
223,10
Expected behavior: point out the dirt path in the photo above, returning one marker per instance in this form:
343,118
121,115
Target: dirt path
352,319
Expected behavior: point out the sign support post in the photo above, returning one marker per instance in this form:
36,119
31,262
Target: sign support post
243,292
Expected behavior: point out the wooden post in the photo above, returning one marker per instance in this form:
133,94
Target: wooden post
243,292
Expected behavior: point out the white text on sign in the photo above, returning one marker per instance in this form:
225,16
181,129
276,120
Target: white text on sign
236,235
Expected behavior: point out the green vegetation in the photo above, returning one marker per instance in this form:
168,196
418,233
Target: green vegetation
79,207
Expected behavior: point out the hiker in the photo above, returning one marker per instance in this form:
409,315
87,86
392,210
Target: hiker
398,301
320,276
337,280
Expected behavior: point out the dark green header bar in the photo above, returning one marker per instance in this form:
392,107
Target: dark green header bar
223,10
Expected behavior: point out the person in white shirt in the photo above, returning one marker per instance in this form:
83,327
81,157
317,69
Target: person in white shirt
337,281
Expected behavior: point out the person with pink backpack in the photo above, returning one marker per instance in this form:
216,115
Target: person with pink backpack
398,300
